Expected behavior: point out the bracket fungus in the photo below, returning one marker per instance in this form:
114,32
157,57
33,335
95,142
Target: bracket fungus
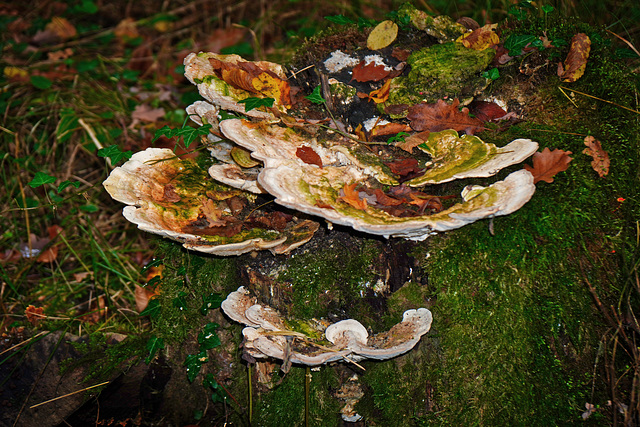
174,198
313,159
267,335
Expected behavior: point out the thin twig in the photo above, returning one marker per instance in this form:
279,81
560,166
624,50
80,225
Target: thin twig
69,394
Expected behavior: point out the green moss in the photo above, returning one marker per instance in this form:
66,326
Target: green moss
334,279
285,404
447,69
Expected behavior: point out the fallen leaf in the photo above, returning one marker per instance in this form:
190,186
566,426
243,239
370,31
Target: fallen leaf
146,113
382,35
404,167
548,163
442,115
369,72
126,30
576,61
390,129
413,141
352,197
61,27
170,194
59,55
307,155
379,95
486,111
481,38
48,255
600,162
400,54
34,314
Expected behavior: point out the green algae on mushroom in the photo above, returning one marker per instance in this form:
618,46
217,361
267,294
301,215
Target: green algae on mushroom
457,157
174,198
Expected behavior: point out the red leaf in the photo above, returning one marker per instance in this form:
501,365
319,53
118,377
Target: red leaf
369,72
307,155
486,111
404,167
548,163
441,115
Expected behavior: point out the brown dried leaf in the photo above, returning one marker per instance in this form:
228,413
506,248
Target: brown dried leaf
48,255
486,111
390,129
307,155
548,163
576,61
170,194
404,167
441,115
146,113
369,72
61,27
413,141
600,162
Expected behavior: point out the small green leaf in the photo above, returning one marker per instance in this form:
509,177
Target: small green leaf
41,82
492,74
516,42
153,263
152,310
219,394
153,345
547,8
41,178
194,362
339,19
399,137
252,103
67,183
180,302
315,96
208,338
89,208
114,153
210,302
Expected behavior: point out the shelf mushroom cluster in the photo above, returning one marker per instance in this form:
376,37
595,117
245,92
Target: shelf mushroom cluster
267,335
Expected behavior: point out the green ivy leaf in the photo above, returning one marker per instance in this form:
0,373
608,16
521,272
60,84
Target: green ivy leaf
68,183
252,103
210,302
547,8
114,153
40,82
187,133
153,345
492,74
315,96
219,394
339,19
208,338
194,362
152,310
516,42
399,137
41,178
180,302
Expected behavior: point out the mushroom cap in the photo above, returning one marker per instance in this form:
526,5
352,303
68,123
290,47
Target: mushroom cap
170,196
237,303
266,317
346,333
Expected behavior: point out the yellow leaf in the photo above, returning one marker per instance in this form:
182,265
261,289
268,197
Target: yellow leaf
15,72
576,61
481,38
272,87
382,35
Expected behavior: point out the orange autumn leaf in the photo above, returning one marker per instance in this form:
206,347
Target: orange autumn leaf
576,61
442,115
548,163
34,314
352,197
61,27
379,95
600,162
